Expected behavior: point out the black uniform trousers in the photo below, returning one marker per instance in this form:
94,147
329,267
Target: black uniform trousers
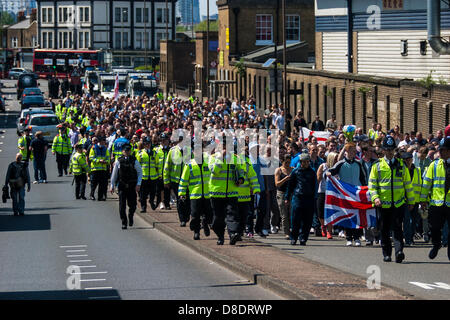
100,179
201,214
437,217
183,206
149,189
225,214
63,163
391,219
302,216
80,185
244,210
127,196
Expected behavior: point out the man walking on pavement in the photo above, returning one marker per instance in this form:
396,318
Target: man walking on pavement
80,169
39,147
17,177
436,191
390,189
127,174
62,148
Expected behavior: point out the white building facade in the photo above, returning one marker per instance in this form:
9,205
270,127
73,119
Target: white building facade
387,38
130,29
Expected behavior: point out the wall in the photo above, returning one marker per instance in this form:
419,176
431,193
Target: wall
355,99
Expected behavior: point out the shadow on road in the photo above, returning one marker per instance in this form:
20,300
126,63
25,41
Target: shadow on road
61,295
31,222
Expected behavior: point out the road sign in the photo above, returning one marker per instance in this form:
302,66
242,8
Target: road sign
269,62
213,64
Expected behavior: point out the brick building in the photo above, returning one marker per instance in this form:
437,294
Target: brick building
177,66
22,38
202,59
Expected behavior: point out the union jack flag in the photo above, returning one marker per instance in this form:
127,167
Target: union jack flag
348,206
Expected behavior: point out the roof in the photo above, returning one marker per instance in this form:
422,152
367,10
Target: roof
24,24
270,50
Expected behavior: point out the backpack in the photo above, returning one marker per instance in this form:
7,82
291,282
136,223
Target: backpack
18,175
127,172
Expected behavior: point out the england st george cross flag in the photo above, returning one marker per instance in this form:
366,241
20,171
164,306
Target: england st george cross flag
348,206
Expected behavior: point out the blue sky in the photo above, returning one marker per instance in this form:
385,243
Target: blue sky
212,7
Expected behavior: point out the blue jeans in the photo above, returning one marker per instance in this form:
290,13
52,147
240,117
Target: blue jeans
18,200
39,169
410,223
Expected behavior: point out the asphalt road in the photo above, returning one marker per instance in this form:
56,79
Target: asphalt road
58,231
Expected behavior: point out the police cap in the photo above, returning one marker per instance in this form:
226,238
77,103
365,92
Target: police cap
389,143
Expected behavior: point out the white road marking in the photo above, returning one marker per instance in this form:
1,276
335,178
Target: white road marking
87,266
98,288
78,246
79,261
105,297
92,280
75,251
94,272
77,255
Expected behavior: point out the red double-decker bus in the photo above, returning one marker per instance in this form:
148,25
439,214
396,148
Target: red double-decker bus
47,61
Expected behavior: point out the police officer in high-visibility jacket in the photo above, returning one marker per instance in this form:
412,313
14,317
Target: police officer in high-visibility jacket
226,176
161,153
390,189
436,191
194,182
245,191
148,161
171,176
24,144
80,169
411,217
63,149
99,159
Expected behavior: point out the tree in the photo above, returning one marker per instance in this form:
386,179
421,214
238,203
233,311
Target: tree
202,26
6,18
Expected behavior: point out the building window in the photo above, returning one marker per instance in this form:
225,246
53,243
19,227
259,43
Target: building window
65,40
160,36
138,15
47,15
124,14
50,40
81,40
263,29
138,40
118,15
87,40
161,15
84,14
125,39
65,14
14,42
34,41
146,15
292,28
146,40
118,40
44,40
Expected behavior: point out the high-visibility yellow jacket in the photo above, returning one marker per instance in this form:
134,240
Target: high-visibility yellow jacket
433,186
251,184
416,182
161,156
148,164
224,175
95,157
58,111
391,185
195,180
173,165
78,164
22,143
61,144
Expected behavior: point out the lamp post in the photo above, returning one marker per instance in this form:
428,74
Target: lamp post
285,88
167,20
145,34
207,46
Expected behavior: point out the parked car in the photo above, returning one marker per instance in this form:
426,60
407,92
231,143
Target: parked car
26,80
31,92
33,102
14,73
47,123
26,114
2,104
